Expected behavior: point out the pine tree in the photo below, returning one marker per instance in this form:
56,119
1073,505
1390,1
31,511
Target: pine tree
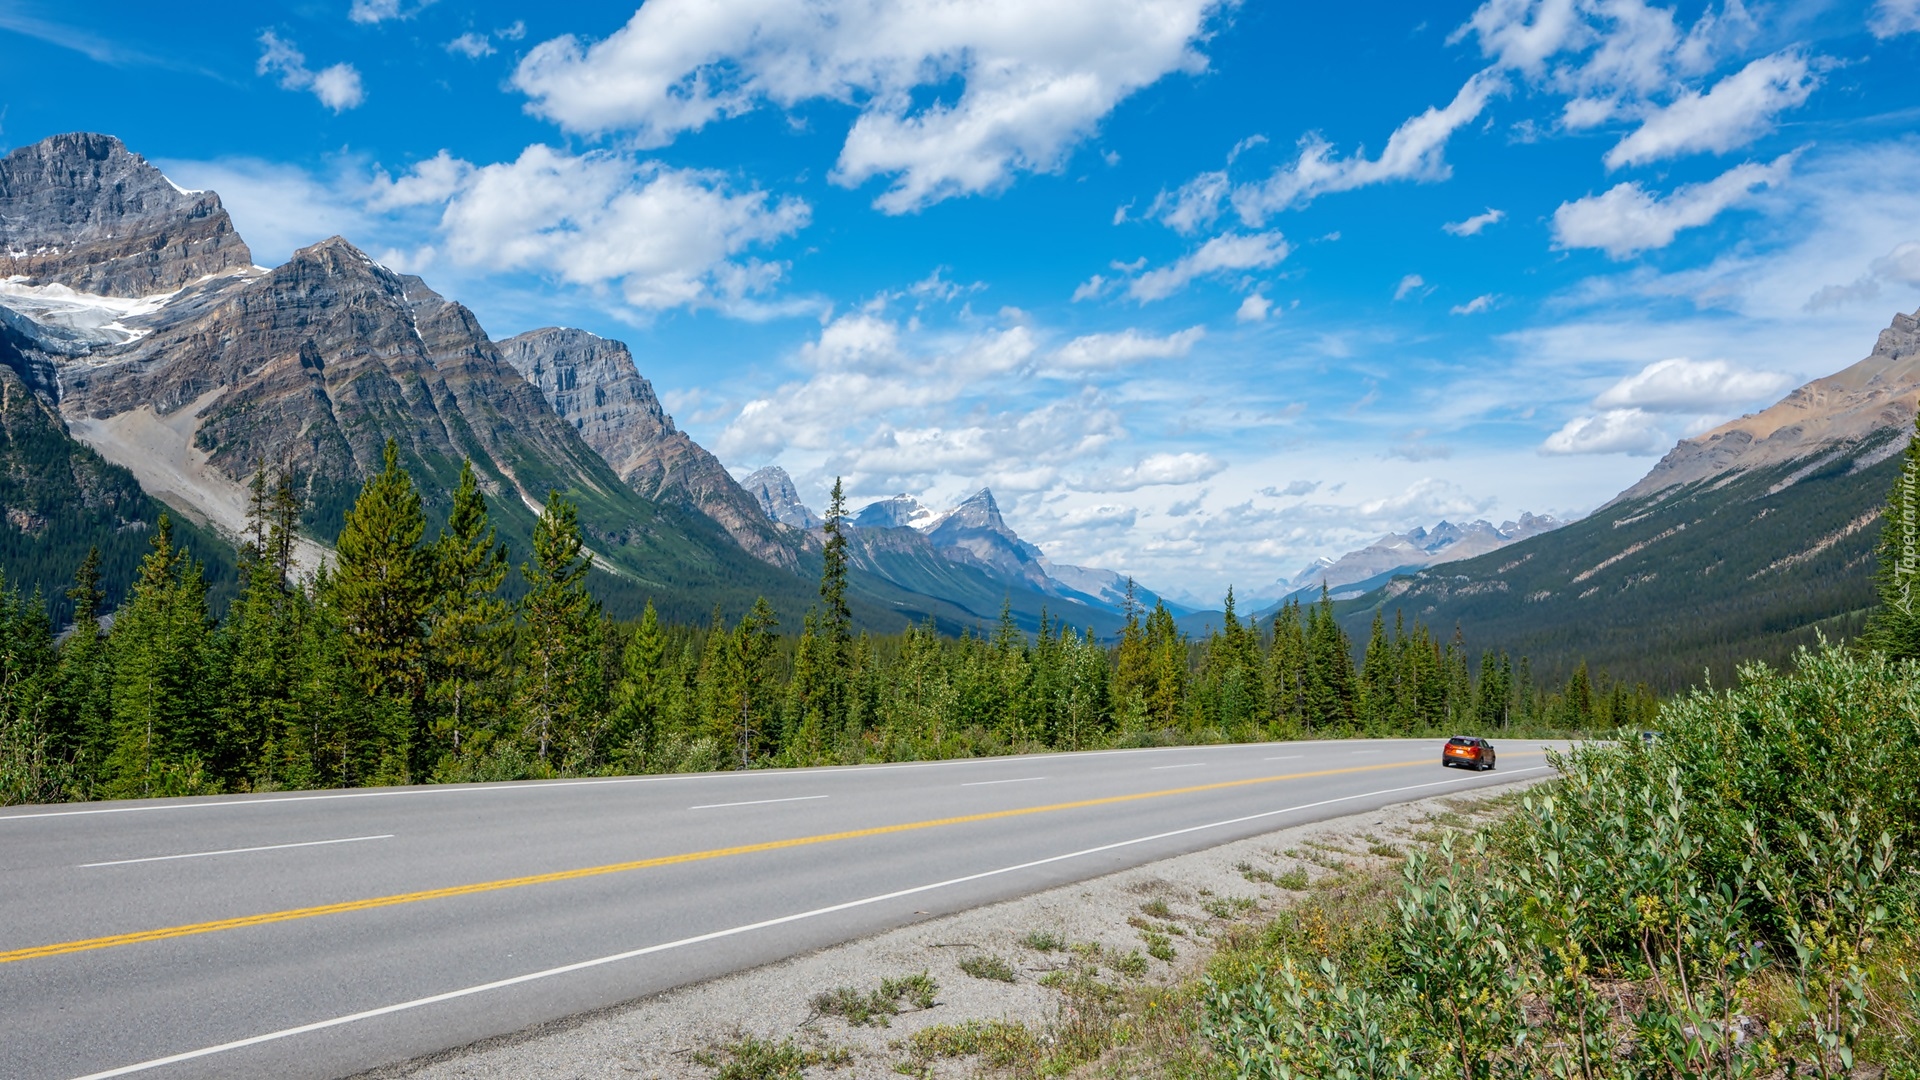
754,646
636,721
84,735
1894,627
383,584
162,735
468,624
1329,689
561,684
1378,690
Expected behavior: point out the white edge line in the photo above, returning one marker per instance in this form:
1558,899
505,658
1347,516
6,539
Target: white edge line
235,851
756,802
566,969
1017,780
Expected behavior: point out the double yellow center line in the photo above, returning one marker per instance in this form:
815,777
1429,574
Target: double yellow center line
292,914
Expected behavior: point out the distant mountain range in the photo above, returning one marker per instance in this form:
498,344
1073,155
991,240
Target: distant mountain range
1741,543
895,537
1360,571
147,362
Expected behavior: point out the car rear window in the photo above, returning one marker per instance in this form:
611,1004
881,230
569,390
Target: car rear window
1459,741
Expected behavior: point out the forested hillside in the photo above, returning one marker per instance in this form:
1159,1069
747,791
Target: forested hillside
1670,587
406,661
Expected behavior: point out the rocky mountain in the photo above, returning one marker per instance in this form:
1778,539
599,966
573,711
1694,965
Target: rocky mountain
773,489
196,366
81,211
900,511
591,382
1740,544
1361,570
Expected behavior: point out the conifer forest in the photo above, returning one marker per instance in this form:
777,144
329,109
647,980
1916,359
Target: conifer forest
401,660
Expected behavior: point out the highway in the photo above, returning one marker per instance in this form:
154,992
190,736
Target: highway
318,934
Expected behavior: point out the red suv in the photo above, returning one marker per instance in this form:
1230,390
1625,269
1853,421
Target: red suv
1469,750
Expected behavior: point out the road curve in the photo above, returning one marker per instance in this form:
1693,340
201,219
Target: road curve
317,934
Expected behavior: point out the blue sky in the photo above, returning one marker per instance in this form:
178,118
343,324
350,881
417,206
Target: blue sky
1203,290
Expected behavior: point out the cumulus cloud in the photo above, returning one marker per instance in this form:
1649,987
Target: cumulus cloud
1409,285
1616,431
1627,218
471,45
1473,225
1156,469
378,11
1253,309
1425,499
1222,254
954,98
1096,351
338,87
1295,488
1476,305
664,237
1683,385
1894,17
1737,110
1415,151
1195,205
1899,267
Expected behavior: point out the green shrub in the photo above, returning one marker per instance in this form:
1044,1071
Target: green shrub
988,967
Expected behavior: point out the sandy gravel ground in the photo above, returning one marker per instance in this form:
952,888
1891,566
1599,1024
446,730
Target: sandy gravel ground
665,1035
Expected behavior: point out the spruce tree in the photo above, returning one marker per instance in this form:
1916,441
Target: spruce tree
158,648
31,770
636,721
383,584
754,647
1894,627
561,684
85,732
468,624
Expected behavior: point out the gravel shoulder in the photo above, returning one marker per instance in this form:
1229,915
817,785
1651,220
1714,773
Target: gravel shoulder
1171,909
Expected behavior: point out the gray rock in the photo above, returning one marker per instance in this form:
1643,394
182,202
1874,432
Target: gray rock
591,382
83,211
774,490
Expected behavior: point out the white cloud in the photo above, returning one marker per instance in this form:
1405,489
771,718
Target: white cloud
1737,110
471,45
1415,151
338,87
1476,305
278,208
1408,285
1627,218
1195,206
1425,499
1294,488
1094,351
666,237
1254,308
1616,431
1683,385
512,33
1229,252
377,11
1473,225
1015,85
1895,17
1156,469
1090,289
1523,34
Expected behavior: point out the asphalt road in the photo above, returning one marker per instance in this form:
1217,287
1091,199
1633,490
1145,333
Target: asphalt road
319,934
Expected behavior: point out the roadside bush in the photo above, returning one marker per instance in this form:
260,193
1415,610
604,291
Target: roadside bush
1732,899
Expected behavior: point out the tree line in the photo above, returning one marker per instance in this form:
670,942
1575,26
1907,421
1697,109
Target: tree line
402,660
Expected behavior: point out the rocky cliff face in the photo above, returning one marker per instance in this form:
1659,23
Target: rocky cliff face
590,381
1399,553
774,490
901,511
84,211
1871,402
313,366
974,532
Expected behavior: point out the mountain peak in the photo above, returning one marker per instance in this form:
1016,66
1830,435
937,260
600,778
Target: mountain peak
1826,415
778,499
81,210
900,511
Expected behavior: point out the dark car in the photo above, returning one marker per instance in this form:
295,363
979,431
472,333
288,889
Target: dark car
1469,750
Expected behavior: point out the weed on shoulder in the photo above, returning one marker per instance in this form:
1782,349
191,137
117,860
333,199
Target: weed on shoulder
988,967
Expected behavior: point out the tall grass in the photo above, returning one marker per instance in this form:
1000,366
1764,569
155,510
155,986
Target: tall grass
1735,899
